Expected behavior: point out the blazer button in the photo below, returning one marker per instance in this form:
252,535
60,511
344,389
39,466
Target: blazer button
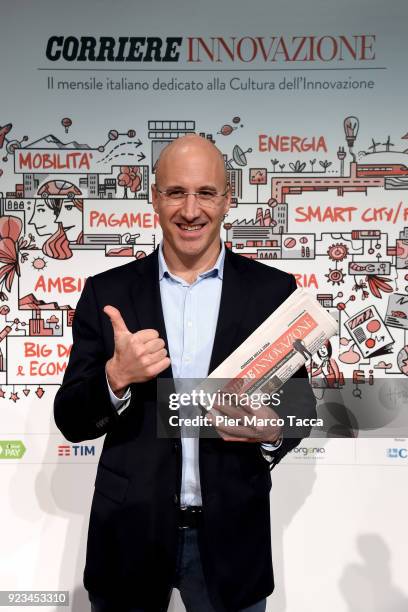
176,499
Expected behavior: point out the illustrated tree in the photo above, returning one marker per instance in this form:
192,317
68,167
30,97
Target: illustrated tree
325,164
130,178
297,166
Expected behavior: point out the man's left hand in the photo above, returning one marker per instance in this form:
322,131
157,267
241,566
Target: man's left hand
243,423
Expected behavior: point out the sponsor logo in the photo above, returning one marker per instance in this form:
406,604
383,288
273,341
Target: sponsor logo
75,450
397,453
309,451
11,449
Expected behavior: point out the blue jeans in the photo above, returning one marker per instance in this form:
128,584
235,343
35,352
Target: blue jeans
189,581
190,578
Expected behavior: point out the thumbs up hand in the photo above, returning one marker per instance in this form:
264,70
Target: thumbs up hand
137,357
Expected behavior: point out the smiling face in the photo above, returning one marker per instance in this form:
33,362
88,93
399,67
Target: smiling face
191,234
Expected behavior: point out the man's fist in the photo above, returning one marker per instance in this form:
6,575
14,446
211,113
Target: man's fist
137,357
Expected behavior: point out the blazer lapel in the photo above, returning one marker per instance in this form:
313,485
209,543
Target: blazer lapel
147,303
235,294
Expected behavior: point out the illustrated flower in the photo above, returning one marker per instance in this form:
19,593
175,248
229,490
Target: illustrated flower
376,284
10,230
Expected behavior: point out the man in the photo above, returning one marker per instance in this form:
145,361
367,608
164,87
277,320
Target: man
191,513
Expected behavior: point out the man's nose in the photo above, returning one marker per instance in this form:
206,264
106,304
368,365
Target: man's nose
190,209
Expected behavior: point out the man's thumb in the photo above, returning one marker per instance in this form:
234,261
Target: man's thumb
116,319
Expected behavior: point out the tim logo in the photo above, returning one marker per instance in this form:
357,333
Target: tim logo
75,450
397,453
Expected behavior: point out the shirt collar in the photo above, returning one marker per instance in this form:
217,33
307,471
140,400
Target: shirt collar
216,270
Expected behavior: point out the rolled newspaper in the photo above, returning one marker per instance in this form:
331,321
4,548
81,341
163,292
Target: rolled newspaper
278,347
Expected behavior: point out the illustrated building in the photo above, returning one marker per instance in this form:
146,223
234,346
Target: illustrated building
325,299
89,182
37,327
163,132
235,182
280,215
31,183
255,238
143,193
259,239
108,189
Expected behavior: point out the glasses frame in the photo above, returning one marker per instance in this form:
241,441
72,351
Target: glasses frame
205,204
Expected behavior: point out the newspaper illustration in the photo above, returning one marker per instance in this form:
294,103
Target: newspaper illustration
277,348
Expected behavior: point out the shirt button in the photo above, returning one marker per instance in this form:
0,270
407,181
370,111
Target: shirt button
187,359
189,324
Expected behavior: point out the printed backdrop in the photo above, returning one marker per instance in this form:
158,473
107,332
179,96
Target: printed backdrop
308,106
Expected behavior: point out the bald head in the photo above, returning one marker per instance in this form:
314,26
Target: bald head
187,146
191,199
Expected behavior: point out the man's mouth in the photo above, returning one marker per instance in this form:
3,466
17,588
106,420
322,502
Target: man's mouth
185,227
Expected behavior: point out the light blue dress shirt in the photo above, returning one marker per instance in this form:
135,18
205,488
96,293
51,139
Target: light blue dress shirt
190,314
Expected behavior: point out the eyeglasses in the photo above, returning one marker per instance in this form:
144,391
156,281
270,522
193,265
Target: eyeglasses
205,197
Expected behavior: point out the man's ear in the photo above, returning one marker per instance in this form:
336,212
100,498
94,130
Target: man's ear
227,203
155,197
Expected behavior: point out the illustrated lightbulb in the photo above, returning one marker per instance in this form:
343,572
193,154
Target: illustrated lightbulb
351,125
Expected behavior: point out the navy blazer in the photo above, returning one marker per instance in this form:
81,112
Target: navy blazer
132,537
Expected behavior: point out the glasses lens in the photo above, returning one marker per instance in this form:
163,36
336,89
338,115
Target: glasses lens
205,198
173,197
207,202
174,194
